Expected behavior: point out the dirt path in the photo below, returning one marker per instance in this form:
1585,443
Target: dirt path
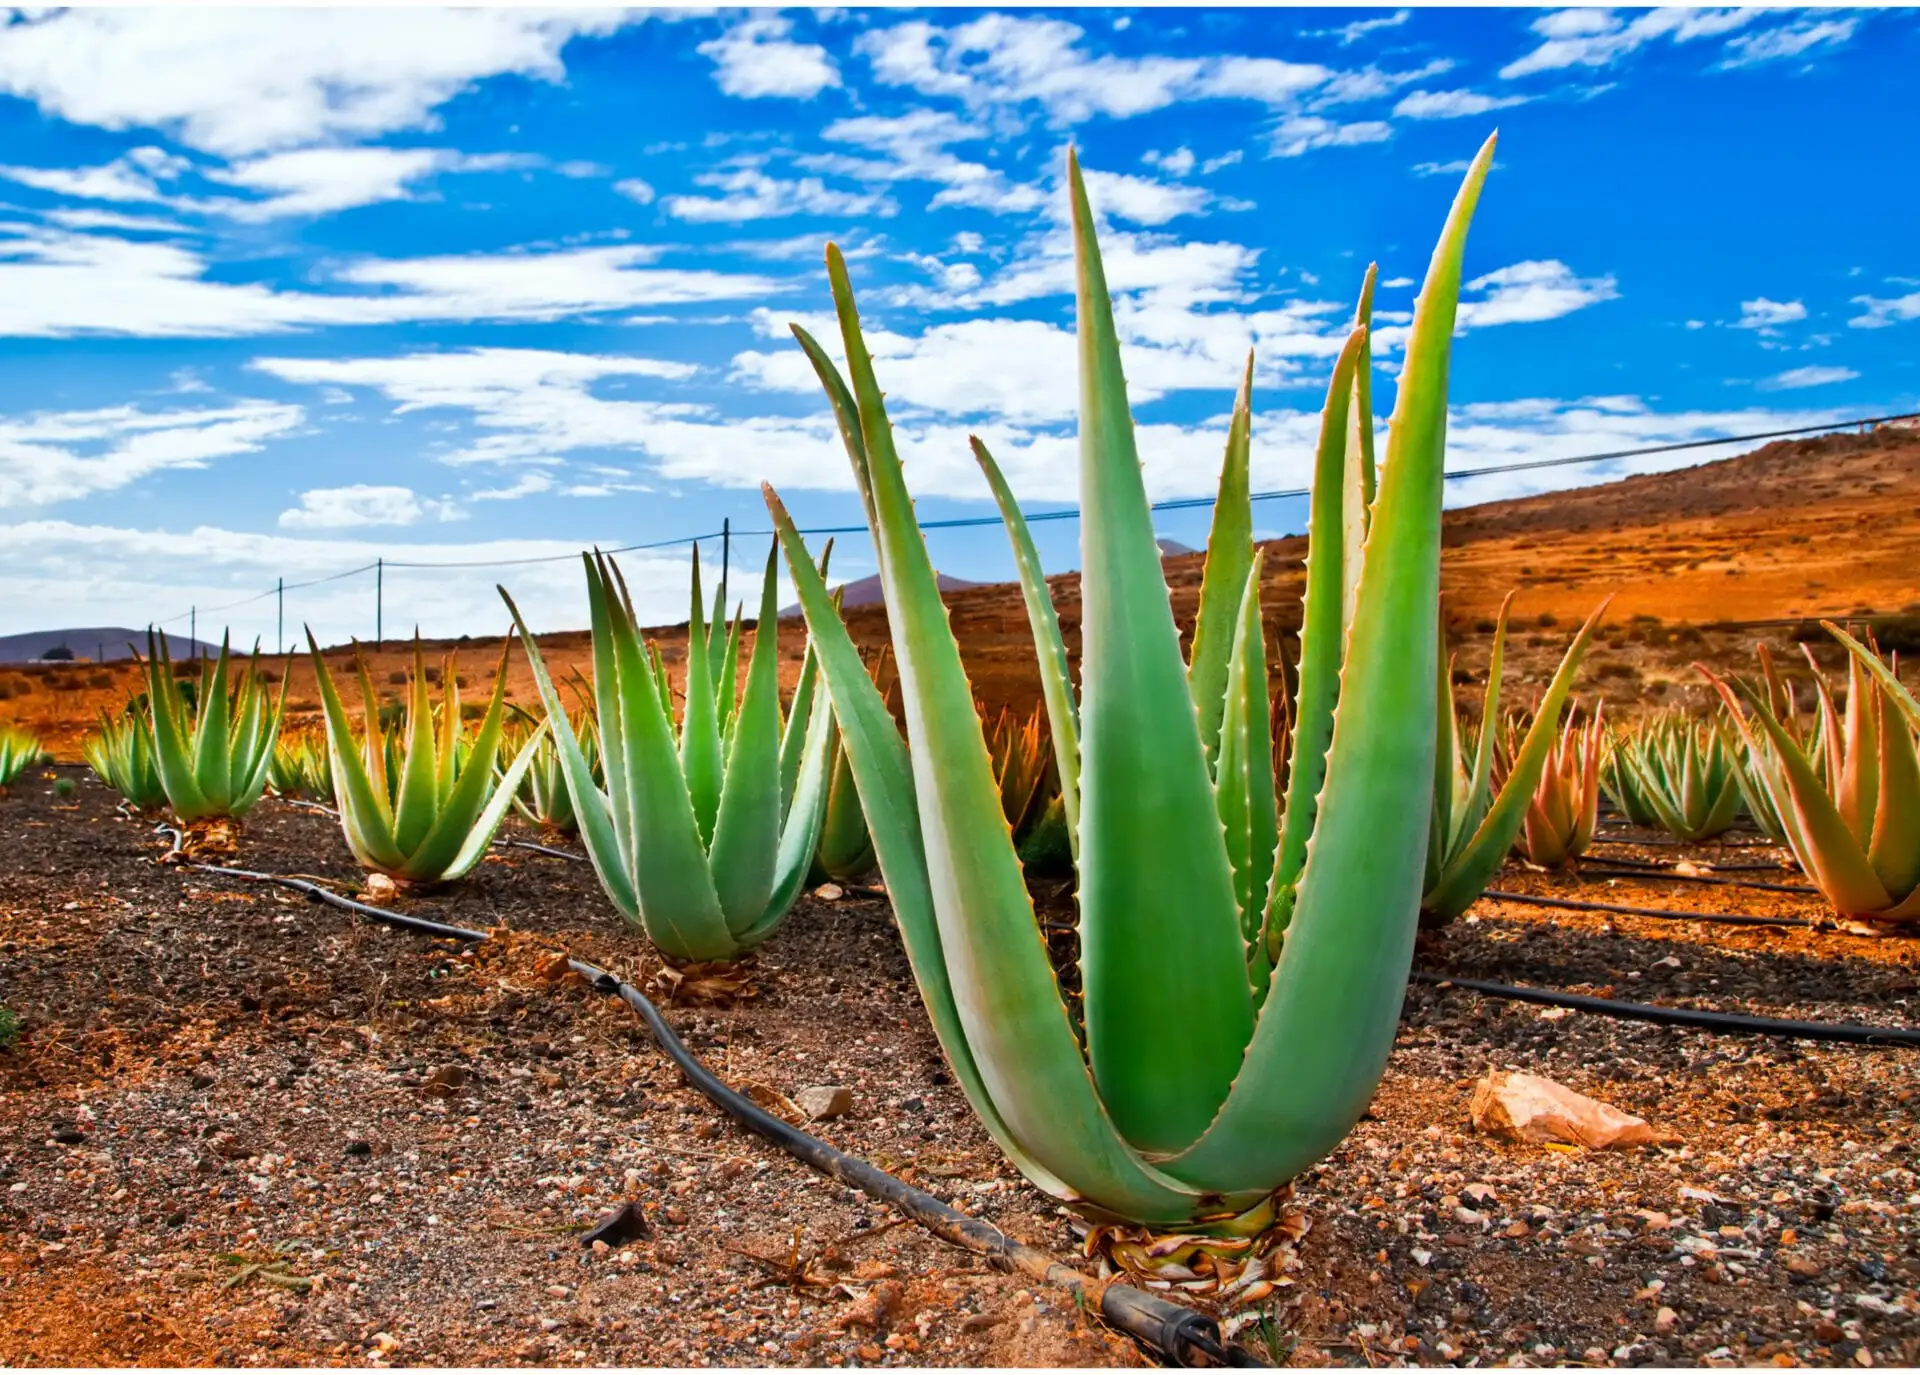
208,1072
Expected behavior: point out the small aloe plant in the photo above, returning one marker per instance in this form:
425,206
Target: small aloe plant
1565,807
215,765
704,834
302,767
1474,826
1241,987
19,751
419,803
120,753
1683,771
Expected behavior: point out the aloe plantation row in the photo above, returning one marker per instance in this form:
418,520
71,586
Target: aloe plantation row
1255,832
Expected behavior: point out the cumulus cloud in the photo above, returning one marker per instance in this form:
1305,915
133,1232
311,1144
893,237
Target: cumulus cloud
758,58
1304,133
749,193
238,81
1600,37
1881,311
1765,315
1452,104
339,508
1530,291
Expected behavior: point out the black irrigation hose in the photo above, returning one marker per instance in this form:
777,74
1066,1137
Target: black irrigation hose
1675,840
1848,1033
1668,876
1738,866
508,843
1723,918
1175,1331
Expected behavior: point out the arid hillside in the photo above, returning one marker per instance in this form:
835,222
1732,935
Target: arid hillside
1702,562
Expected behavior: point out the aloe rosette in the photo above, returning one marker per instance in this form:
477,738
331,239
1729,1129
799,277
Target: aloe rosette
543,798
302,767
419,803
120,753
215,764
1565,807
19,751
703,835
1474,825
1208,1075
1855,829
1682,770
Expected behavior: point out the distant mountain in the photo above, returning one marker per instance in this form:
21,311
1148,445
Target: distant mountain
93,643
866,592
1171,547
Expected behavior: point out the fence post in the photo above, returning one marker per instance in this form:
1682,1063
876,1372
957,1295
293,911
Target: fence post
726,558
379,601
193,631
280,616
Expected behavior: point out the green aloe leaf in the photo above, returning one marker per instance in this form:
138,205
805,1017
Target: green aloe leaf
1168,1006
1243,782
746,835
1331,1014
701,761
1358,485
1056,682
1322,640
1223,578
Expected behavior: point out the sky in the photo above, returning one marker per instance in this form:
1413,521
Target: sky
286,291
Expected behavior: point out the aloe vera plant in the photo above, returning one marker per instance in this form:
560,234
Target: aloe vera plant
1474,825
1682,770
214,765
1855,830
419,802
1565,807
120,753
704,835
1204,1075
19,751
302,767
543,798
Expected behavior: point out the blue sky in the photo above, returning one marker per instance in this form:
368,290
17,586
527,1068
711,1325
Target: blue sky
284,290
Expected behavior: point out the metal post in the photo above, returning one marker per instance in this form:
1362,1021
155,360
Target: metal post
379,601
280,616
193,631
726,556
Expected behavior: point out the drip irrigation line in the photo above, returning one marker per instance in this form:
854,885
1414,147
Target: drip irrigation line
1675,840
1656,876
1738,866
1849,1033
1723,918
506,842
1173,1330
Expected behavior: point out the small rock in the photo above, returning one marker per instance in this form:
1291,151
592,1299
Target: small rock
69,1137
829,892
558,1291
203,1081
551,1324
1802,1267
1530,1108
445,1081
361,1148
1665,1321
823,1101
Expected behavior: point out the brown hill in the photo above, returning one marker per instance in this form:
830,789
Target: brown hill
1695,557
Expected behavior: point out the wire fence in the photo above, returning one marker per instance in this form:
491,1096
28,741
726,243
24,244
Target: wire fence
728,533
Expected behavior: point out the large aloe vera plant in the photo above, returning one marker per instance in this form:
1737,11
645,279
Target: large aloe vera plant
419,803
1203,1075
213,765
1474,824
1854,826
704,834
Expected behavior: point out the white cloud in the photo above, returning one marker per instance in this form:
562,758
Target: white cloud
1795,378
54,283
338,508
1766,316
1524,293
1452,104
1883,311
1371,83
1143,200
914,147
1792,40
64,455
756,58
748,193
1456,167
319,181
1599,37
634,189
526,485
532,406
1304,133
1265,79
130,179
241,81
1349,34
1175,164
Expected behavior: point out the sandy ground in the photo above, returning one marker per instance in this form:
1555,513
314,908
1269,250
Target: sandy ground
212,1076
